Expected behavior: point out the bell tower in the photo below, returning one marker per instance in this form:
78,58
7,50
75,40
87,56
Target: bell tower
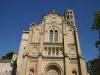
69,17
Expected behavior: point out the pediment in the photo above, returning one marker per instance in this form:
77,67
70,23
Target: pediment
53,18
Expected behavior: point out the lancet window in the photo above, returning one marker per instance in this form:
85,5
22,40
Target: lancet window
53,36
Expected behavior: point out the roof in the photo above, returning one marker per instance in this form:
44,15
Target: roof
5,61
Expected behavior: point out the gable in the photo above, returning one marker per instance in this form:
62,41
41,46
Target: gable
53,18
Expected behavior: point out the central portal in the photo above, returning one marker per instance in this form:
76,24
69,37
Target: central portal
53,70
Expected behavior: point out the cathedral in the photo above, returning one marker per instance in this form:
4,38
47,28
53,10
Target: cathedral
51,47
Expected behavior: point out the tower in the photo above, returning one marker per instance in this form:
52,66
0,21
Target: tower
51,47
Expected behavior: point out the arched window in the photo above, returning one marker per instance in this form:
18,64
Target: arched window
51,36
71,16
53,51
31,72
71,22
70,12
57,51
74,73
56,35
68,22
49,51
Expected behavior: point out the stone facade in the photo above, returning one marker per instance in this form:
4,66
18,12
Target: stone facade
51,47
5,65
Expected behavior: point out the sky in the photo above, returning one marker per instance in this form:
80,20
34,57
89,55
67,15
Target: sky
17,15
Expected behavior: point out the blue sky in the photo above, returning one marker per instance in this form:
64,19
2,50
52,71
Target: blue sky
17,15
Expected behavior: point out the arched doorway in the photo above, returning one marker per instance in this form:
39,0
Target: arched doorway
53,70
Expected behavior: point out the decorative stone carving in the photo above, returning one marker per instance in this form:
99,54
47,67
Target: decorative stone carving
34,49
72,50
53,19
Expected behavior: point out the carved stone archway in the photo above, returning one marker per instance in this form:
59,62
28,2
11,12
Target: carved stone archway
53,70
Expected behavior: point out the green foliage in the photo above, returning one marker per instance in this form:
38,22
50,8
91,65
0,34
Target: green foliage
8,55
96,25
14,65
89,67
97,44
93,64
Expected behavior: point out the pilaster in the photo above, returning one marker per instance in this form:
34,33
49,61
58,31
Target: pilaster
40,49
65,47
78,43
25,55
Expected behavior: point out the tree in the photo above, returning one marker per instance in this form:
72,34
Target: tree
94,65
89,66
14,66
8,55
96,27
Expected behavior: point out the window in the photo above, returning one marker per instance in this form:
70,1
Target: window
67,12
53,51
56,35
31,72
71,22
57,51
71,16
68,22
70,12
67,16
49,51
51,35
61,50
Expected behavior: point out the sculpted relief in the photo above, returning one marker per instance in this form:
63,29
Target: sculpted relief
34,49
54,18
72,50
